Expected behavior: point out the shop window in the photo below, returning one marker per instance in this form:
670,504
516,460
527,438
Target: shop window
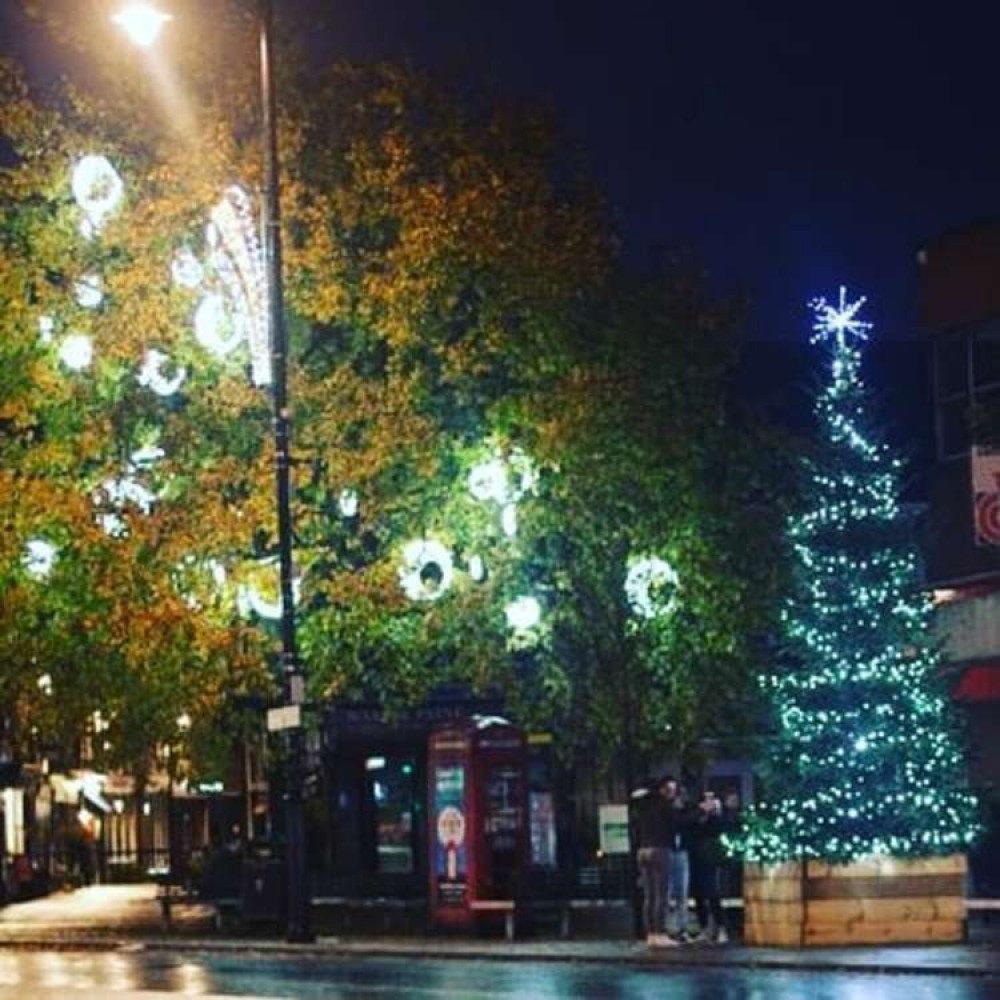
951,361
12,802
953,428
391,790
986,358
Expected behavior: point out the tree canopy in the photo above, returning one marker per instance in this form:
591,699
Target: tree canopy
500,438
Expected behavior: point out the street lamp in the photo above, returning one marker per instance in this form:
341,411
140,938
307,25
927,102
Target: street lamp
143,23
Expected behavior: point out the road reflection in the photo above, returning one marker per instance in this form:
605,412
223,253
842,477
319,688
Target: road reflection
26,975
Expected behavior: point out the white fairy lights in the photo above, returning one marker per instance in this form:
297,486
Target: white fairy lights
866,761
237,259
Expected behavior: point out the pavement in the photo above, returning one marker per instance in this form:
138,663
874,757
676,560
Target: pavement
127,919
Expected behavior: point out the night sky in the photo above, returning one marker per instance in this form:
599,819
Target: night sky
793,145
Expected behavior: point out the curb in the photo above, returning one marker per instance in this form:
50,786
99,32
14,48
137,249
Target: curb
331,948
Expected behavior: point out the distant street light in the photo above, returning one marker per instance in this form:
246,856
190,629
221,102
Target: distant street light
143,23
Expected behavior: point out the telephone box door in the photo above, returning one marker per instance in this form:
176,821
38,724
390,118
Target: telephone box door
451,819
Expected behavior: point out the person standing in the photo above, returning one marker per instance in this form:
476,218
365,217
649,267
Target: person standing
652,820
706,868
676,863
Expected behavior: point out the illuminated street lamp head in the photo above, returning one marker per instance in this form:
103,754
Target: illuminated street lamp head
142,22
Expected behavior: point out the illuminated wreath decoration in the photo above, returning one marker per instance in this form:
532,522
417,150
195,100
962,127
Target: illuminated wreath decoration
427,571
651,587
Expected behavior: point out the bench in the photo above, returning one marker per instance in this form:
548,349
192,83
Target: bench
173,894
505,906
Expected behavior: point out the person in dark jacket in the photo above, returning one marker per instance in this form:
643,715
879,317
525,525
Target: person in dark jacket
652,823
707,856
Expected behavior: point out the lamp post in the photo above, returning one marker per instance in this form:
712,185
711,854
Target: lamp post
143,22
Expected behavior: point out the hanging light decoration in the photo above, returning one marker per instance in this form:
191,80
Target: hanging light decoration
98,190
152,377
651,587
427,570
76,352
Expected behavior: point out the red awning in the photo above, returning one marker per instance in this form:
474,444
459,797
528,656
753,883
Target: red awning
979,684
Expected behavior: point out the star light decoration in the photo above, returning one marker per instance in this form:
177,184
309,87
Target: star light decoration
838,322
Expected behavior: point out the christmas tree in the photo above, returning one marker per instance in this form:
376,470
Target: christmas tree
866,759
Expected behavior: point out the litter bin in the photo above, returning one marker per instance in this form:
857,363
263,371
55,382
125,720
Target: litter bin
265,889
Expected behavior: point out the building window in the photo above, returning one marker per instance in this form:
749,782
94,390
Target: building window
391,790
967,389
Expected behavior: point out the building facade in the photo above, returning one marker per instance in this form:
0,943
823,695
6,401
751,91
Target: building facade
959,289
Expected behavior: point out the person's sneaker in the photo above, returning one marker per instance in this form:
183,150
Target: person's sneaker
722,936
661,941
698,938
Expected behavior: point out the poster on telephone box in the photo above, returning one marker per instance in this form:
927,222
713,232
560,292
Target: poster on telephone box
450,842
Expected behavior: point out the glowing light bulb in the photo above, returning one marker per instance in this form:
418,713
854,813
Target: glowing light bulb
348,503
142,22
477,568
76,352
39,558
523,613
89,291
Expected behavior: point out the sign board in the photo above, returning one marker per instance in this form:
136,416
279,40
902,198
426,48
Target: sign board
284,717
986,495
612,822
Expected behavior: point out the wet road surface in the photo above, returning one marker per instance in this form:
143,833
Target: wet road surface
88,976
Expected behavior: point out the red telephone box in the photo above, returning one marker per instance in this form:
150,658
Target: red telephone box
478,817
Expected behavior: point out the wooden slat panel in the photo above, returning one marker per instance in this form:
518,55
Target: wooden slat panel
885,888
775,913
773,935
780,891
953,864
843,912
788,869
913,932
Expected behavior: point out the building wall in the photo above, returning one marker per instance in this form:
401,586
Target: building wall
970,627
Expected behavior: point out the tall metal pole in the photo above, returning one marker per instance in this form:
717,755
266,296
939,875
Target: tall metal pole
294,682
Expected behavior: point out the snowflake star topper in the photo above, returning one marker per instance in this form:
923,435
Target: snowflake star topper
839,321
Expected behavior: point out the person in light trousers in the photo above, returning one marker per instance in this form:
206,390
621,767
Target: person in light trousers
676,864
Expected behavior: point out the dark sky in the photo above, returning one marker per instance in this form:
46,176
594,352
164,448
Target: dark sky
793,145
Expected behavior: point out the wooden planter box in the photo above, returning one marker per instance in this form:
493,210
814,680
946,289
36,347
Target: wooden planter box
874,901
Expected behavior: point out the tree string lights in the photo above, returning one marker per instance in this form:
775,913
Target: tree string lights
866,760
